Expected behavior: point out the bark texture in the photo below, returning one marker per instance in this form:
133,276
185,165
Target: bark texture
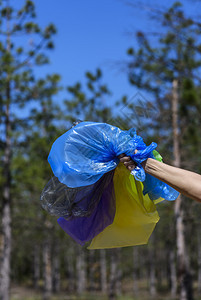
184,276
56,268
6,204
103,271
173,273
81,271
47,270
113,272
119,272
199,260
135,270
92,268
70,270
36,266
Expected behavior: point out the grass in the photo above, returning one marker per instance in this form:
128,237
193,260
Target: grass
26,293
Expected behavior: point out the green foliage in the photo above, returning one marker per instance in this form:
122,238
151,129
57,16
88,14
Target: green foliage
90,103
30,118
37,120
153,69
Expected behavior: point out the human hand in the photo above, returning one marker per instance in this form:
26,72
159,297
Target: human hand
127,161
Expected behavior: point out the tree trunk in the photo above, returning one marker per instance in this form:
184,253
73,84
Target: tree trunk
36,266
152,275
81,271
70,269
135,271
91,270
113,273
119,273
152,266
199,260
5,260
56,269
173,275
184,276
159,271
6,207
171,260
47,269
103,271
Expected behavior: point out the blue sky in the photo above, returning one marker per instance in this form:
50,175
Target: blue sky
95,34
91,34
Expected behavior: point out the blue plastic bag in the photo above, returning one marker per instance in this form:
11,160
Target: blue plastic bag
87,151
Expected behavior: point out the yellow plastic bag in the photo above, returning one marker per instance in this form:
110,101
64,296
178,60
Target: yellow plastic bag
135,217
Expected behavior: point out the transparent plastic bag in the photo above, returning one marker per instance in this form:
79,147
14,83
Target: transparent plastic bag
62,201
81,194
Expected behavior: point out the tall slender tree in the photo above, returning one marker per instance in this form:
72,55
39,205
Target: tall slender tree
17,86
175,58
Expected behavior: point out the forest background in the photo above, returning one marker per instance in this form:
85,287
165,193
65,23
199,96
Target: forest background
147,78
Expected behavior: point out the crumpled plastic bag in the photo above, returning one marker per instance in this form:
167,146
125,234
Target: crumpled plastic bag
87,151
84,161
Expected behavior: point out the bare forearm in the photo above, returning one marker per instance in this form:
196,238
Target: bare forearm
186,182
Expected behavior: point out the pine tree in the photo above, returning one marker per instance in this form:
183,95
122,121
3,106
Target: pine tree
175,58
89,102
17,88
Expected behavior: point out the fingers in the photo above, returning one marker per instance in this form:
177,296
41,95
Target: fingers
131,167
121,156
128,163
125,159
